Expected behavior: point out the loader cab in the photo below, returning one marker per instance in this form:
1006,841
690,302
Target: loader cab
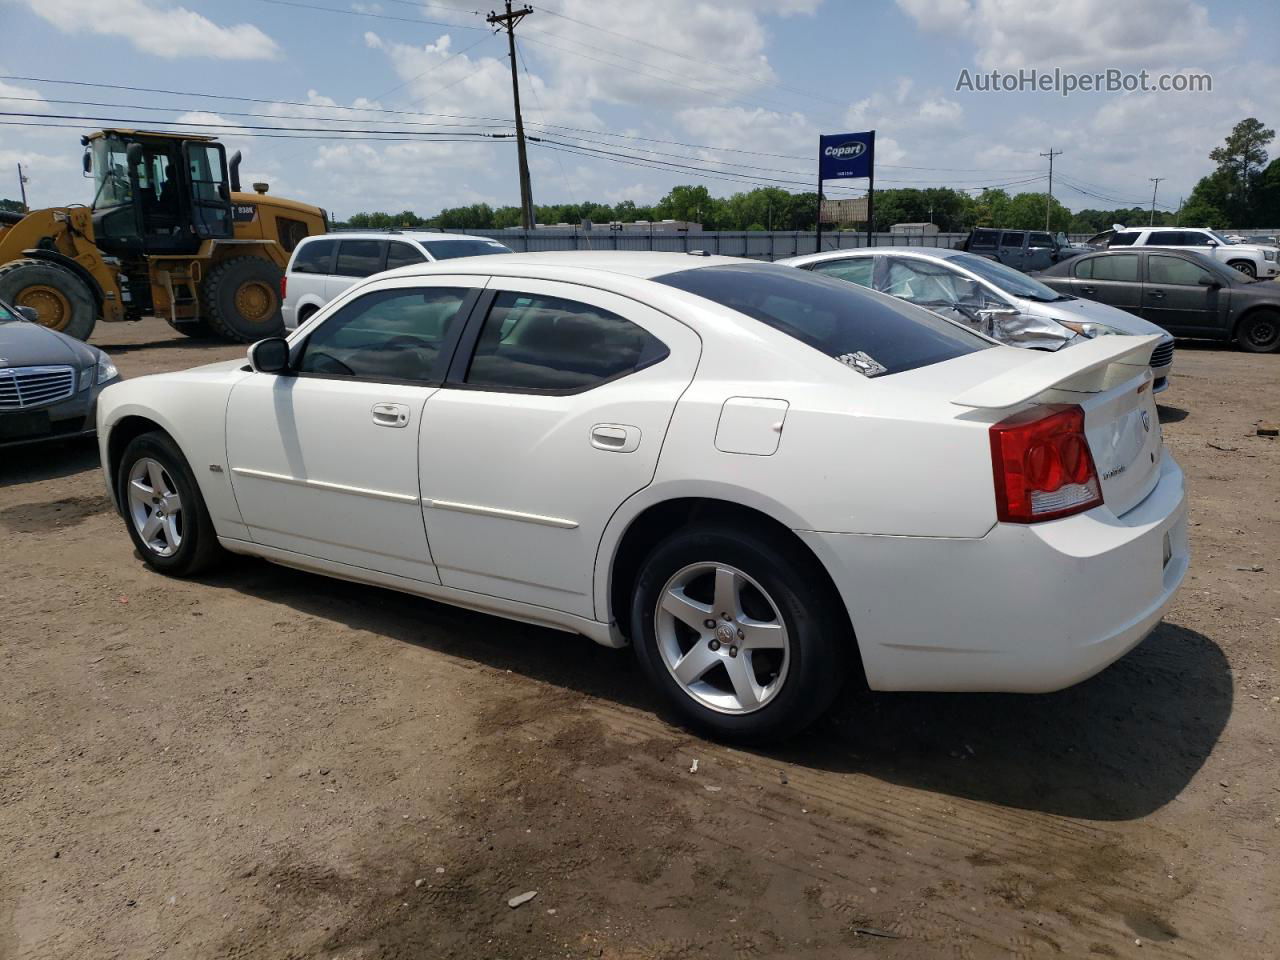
157,193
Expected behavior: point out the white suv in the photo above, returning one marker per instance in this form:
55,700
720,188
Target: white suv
325,265
1250,259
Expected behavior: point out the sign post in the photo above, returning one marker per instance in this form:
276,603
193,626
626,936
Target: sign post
848,156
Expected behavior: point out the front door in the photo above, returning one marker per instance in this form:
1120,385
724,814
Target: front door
546,425
1181,296
324,460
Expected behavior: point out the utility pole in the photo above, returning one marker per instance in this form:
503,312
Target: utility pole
1048,204
1177,217
509,21
22,186
1151,221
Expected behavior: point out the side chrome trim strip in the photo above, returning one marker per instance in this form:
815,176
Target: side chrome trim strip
324,485
559,522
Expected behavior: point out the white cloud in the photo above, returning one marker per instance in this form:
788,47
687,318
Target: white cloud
168,31
1009,34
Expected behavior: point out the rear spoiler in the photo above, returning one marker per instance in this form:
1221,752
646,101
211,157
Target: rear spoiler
1089,367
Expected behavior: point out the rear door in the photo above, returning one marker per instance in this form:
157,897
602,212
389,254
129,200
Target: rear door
1110,278
1180,295
1040,251
1011,248
859,270
553,414
356,260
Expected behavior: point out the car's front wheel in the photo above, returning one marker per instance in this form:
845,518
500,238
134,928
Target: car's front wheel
163,509
740,632
1245,267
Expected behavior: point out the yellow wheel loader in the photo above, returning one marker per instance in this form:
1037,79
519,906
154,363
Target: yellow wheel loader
168,234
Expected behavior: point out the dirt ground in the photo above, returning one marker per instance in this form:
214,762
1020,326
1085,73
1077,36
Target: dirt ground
265,763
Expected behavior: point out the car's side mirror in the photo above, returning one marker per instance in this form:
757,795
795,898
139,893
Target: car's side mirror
1210,283
28,313
1211,243
270,355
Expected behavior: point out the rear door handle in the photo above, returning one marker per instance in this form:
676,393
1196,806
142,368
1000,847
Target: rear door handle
391,414
1088,289
1156,294
615,437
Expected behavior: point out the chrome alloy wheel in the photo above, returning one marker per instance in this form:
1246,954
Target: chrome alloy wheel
155,507
722,638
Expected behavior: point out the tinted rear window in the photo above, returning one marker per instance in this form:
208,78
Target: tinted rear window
451,249
842,320
313,257
1123,239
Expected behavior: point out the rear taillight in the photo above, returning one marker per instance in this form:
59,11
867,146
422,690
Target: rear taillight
284,284
1043,467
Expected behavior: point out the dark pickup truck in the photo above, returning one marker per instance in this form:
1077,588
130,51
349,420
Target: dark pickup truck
1024,250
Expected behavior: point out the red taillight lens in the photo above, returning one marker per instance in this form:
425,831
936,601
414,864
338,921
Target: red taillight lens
1042,465
284,284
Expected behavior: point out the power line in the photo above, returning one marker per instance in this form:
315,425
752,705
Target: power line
372,16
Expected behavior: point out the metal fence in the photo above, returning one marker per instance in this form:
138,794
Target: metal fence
756,244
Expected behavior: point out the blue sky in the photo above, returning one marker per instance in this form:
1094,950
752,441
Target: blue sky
742,88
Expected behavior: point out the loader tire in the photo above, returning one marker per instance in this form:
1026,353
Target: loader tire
241,299
61,299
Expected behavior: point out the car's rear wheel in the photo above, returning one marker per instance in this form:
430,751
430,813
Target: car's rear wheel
740,632
1245,267
163,509
1259,332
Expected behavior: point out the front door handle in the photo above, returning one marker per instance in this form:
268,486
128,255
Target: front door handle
1088,289
391,414
615,437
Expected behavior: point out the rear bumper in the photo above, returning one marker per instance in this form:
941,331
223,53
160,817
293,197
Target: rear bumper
1025,609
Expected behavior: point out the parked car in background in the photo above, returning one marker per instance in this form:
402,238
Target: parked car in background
1181,291
755,475
1021,249
1255,262
324,266
49,382
988,297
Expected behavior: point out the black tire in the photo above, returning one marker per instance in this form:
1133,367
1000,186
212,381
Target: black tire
63,301
820,640
196,329
1259,331
198,548
1245,267
218,297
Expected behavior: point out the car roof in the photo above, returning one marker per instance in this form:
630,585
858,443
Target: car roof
421,236
639,264
941,253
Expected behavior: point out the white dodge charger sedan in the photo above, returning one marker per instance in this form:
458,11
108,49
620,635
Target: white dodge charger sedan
763,479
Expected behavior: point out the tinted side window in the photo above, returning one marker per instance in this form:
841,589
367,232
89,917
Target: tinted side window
928,284
400,254
1008,239
1169,238
386,335
982,240
1175,270
1083,269
1041,240
1193,238
314,257
449,249
1123,267
534,342
1123,239
855,270
359,258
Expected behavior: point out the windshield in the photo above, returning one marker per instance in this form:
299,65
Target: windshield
110,173
1007,279
872,333
451,249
